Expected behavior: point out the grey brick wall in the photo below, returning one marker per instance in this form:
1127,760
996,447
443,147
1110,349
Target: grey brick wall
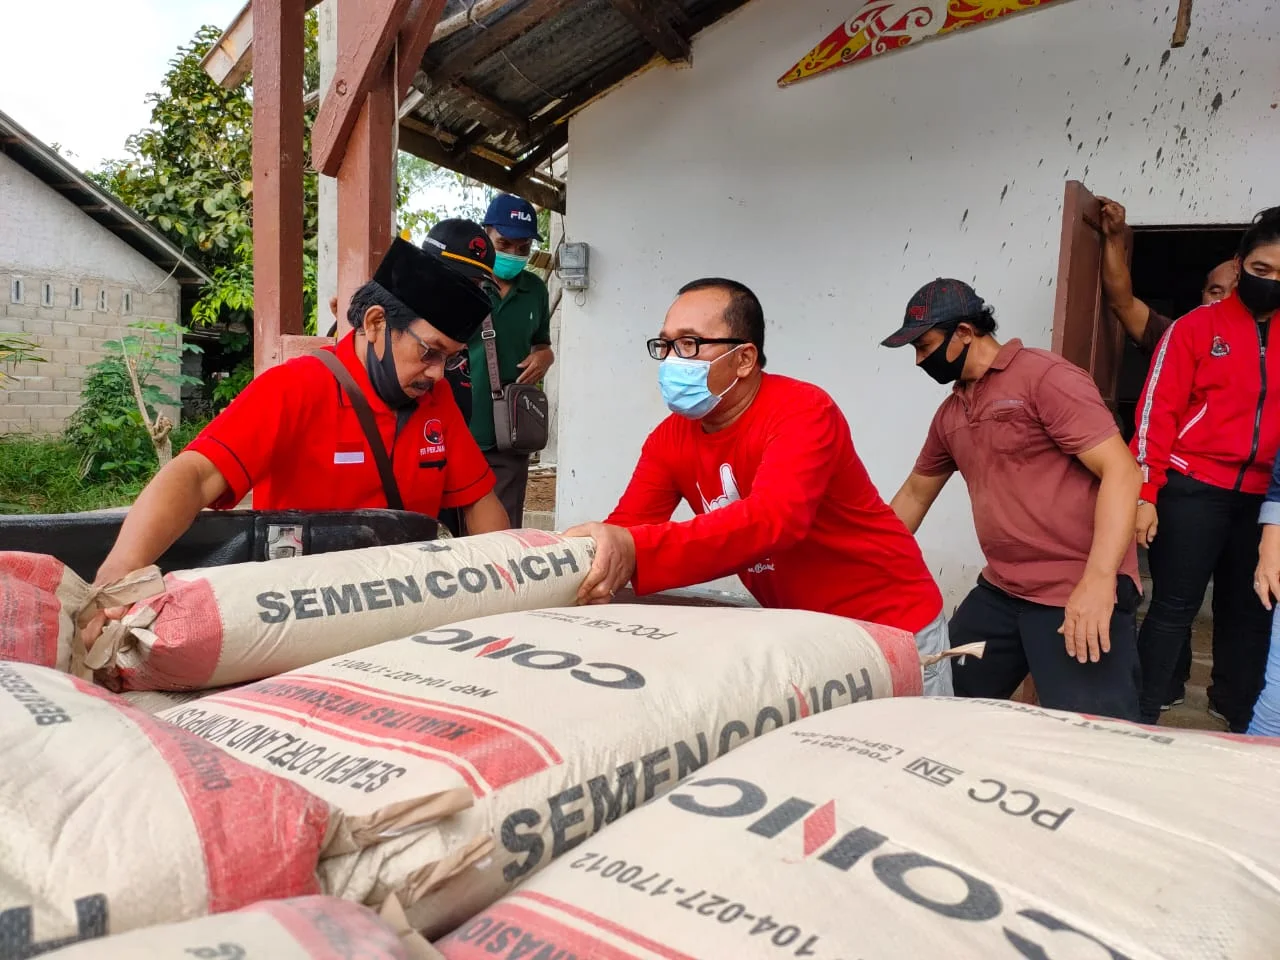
41,396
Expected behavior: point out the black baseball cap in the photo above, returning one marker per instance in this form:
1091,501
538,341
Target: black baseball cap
462,245
942,303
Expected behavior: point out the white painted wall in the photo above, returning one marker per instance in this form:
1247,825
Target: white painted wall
41,231
836,198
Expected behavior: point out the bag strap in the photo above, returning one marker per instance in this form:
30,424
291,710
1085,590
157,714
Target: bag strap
489,337
364,413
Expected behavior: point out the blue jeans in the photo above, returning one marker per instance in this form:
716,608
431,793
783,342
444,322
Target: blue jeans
1266,712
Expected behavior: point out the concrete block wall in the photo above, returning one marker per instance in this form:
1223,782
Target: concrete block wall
40,397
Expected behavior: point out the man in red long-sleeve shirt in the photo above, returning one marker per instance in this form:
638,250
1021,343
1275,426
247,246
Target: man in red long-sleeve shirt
768,465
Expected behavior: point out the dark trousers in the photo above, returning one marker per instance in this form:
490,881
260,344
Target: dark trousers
451,518
1023,637
512,473
1205,532
511,470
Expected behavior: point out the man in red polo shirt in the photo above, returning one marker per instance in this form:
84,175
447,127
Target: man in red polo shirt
768,465
294,438
1054,491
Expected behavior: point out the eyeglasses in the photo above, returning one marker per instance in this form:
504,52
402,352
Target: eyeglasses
686,348
430,355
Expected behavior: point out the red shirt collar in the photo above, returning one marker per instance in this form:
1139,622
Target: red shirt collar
1003,358
1234,307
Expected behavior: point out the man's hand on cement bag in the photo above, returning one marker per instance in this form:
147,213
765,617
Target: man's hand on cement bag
123,589
614,565
93,629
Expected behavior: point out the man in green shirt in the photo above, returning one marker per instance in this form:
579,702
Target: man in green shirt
522,322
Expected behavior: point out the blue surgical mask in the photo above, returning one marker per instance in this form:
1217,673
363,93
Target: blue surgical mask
684,386
507,266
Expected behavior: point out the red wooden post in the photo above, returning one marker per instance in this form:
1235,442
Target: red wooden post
277,176
365,188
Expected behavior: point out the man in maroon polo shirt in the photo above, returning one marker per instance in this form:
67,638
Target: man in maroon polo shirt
1054,492
293,436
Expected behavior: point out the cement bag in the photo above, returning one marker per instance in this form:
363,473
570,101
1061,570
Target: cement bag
225,625
928,828
558,720
157,701
113,820
41,599
308,928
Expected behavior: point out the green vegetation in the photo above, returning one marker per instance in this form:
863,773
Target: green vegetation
107,453
190,174
16,348
43,475
109,430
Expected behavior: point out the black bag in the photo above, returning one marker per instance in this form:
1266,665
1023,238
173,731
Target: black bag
83,540
521,413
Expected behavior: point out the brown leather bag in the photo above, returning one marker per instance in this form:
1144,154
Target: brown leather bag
521,413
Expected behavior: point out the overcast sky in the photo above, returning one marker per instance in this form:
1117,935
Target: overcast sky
77,72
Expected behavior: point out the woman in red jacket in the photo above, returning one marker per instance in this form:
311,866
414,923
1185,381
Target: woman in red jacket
1208,432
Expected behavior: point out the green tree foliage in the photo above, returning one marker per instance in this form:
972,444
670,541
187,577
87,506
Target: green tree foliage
462,196
190,173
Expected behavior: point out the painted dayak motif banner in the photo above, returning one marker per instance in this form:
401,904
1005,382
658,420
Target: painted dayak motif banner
883,25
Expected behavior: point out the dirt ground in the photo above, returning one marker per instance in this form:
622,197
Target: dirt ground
1194,713
542,490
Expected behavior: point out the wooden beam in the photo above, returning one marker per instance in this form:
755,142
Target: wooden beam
589,91
478,168
415,36
1183,25
363,49
652,21
490,110
229,60
554,140
301,346
277,177
464,143
366,176
487,41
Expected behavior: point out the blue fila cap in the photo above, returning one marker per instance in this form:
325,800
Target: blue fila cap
513,217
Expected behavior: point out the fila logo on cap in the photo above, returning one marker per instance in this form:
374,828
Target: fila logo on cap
521,215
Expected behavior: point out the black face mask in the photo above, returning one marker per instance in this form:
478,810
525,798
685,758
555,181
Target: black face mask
1260,295
382,373
939,367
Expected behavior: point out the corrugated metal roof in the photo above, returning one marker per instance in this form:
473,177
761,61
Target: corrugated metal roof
517,72
44,163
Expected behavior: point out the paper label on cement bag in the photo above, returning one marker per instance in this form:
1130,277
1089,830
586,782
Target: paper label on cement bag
556,722
232,624
118,821
922,828
307,928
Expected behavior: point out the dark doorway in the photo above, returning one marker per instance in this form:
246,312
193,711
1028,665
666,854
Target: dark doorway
1169,269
